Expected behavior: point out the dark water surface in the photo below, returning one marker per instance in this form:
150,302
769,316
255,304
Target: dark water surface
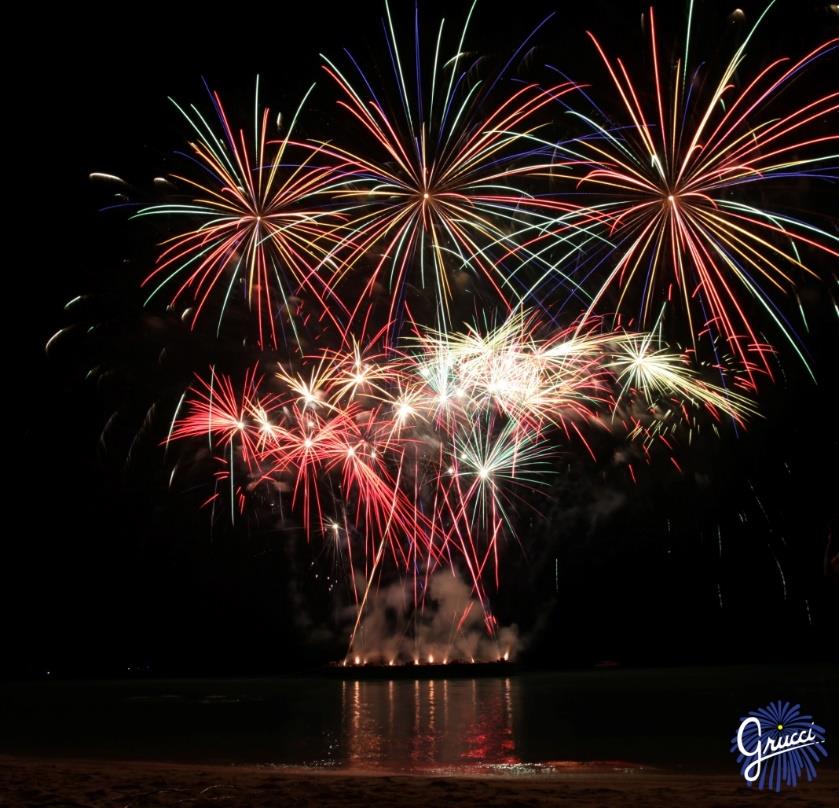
679,719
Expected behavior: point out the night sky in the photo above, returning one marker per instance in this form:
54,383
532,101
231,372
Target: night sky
107,571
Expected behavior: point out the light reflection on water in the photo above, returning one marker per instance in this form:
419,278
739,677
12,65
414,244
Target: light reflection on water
427,723
529,723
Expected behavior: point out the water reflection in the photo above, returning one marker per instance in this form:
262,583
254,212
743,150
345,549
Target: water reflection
529,723
427,723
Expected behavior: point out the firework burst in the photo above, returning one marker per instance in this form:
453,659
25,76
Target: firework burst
444,187
257,228
428,452
677,181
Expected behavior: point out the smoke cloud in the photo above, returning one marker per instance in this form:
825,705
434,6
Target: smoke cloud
448,627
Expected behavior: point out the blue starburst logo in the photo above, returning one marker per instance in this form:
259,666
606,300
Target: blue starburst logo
776,744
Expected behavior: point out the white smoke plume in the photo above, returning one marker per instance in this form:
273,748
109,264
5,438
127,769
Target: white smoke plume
392,631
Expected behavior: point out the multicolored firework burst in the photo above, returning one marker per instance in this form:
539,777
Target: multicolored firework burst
399,437
424,450
444,187
674,185
257,228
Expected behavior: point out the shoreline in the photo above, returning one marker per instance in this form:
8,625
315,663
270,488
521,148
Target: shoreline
83,782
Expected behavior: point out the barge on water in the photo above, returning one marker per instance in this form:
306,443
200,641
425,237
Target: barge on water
421,670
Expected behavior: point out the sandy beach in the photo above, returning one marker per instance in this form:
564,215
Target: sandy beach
71,783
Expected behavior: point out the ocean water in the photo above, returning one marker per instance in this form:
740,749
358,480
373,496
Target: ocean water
672,719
